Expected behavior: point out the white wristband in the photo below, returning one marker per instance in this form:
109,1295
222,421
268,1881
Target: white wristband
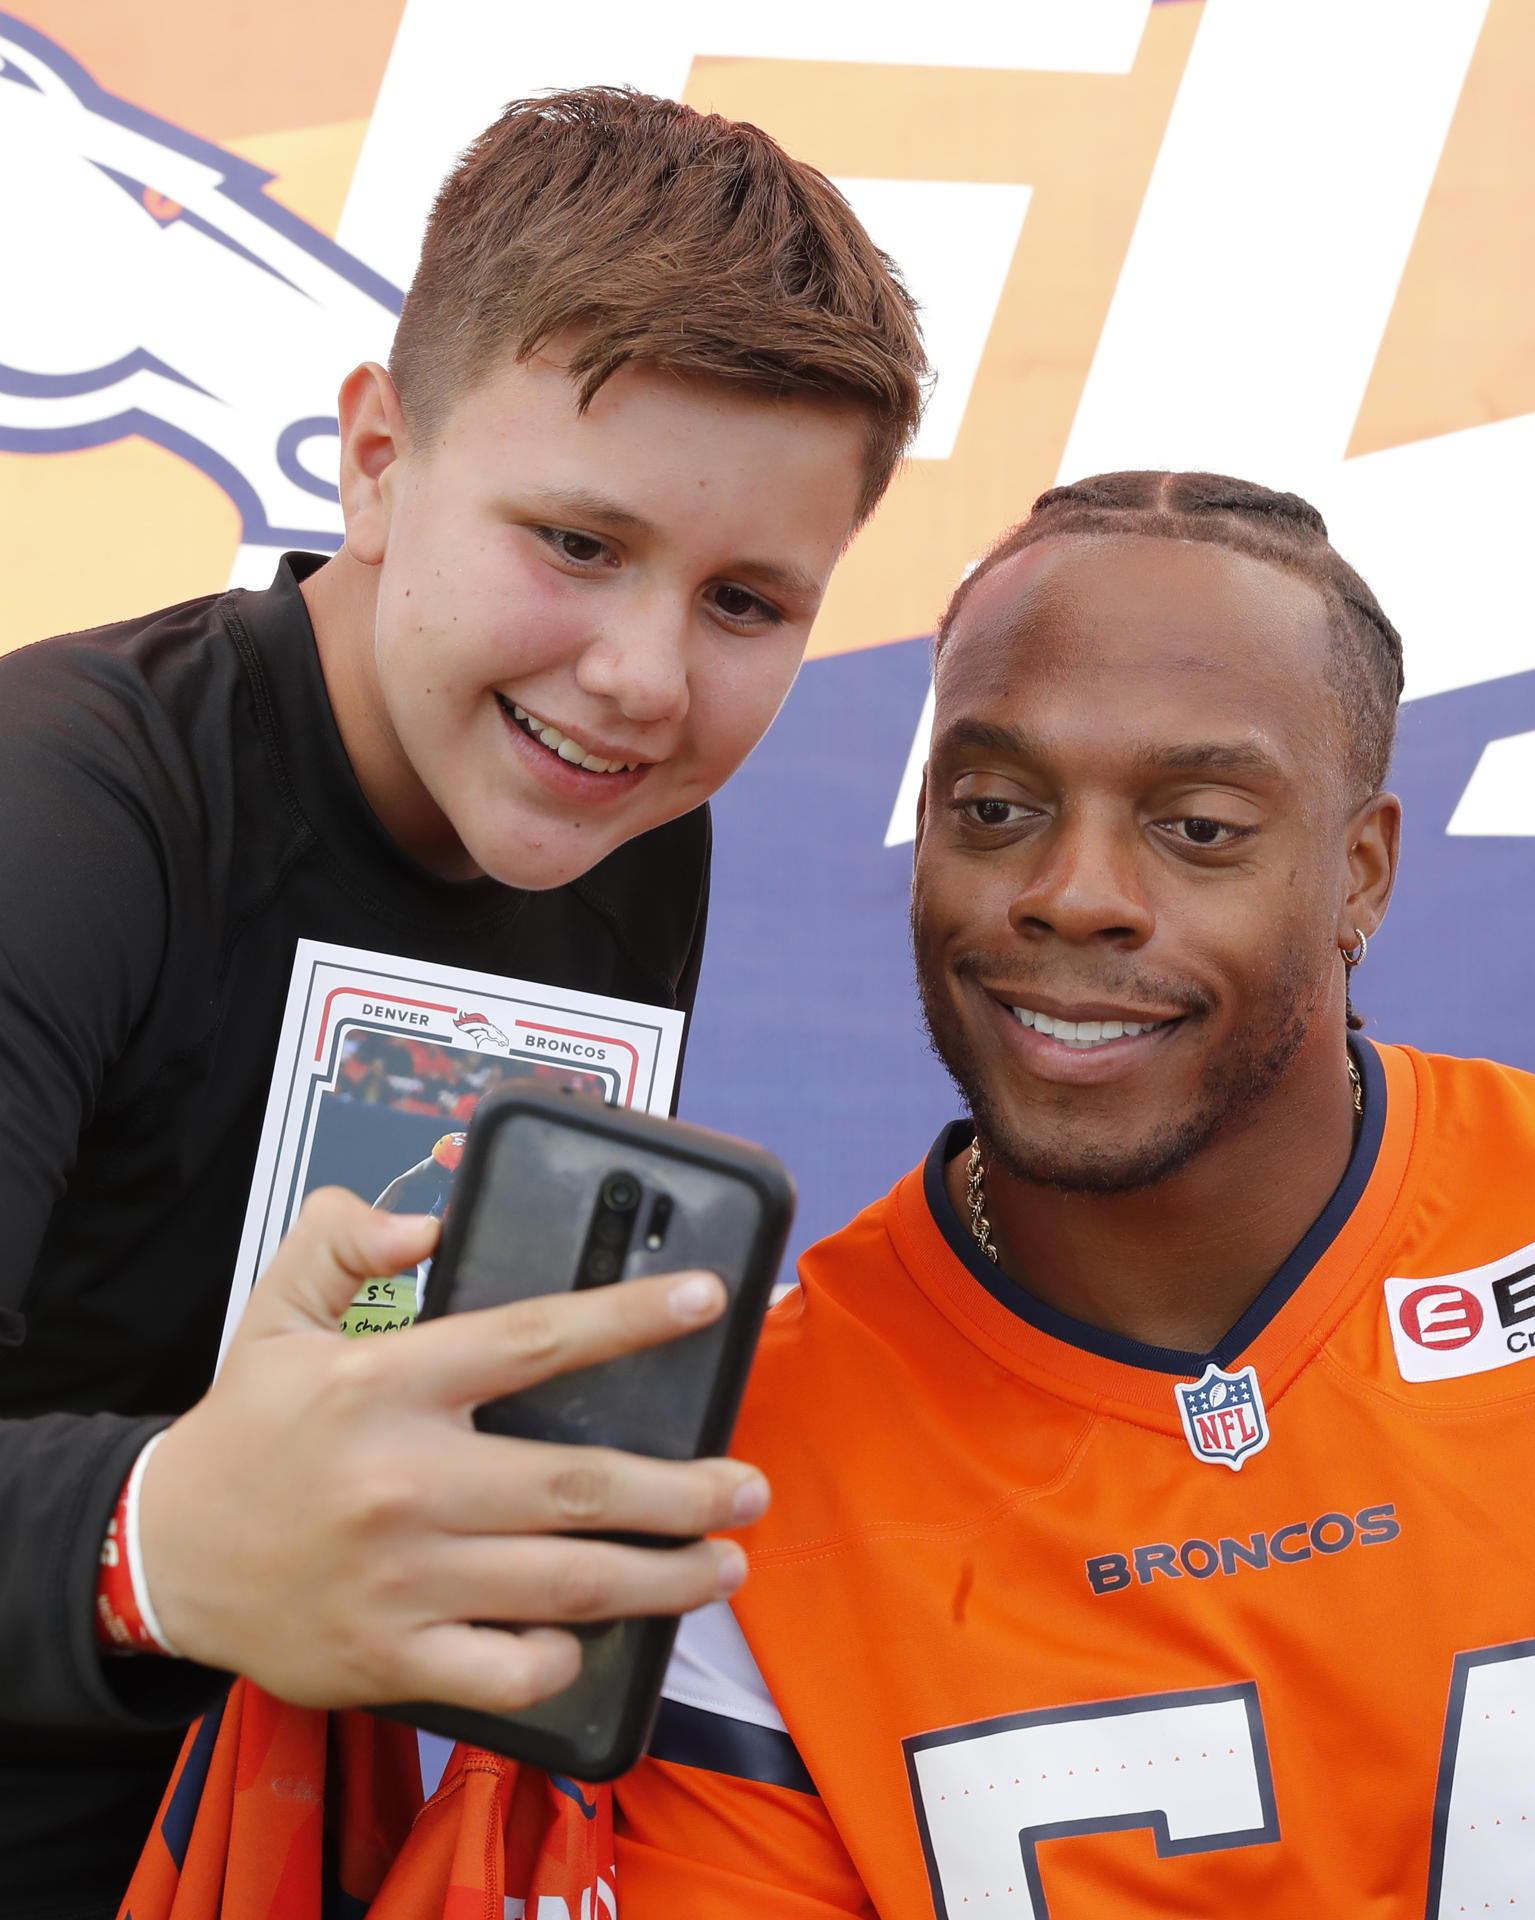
135,1557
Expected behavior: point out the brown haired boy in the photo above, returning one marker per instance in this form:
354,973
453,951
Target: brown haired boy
650,378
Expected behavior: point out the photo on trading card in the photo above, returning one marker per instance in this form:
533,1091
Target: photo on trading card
381,1065
392,1130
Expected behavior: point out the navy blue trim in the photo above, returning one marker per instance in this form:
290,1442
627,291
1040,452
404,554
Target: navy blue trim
1328,1224
562,1783
181,1815
1153,1817
689,1737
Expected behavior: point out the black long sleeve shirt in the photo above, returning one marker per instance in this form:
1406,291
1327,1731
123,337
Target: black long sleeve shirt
176,811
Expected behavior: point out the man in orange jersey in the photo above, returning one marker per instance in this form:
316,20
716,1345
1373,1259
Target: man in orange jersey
1151,1467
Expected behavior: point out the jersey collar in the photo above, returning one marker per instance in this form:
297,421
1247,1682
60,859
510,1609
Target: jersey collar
1324,1266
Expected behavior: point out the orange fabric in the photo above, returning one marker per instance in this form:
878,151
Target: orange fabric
281,1813
949,1482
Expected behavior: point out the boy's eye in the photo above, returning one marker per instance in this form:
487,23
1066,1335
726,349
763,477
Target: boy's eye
582,548
736,603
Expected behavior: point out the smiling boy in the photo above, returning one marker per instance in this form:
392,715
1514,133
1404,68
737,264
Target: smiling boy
649,379
1149,1532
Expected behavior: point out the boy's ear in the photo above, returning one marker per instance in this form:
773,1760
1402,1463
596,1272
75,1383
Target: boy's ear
372,440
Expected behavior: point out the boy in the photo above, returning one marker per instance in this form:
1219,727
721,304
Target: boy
650,377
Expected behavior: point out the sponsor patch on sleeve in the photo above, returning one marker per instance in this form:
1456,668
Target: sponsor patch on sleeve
1464,1322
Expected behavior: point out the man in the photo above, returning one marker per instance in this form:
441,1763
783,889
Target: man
1149,1468
650,377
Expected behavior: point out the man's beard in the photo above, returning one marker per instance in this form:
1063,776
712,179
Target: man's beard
1248,1068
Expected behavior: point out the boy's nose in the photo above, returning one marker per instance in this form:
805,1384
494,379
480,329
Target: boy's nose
639,663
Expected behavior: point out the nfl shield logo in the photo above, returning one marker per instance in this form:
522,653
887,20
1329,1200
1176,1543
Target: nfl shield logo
1223,1415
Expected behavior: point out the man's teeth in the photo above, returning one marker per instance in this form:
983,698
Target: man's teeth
1083,1033
565,746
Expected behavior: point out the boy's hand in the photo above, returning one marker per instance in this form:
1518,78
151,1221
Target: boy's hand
328,1521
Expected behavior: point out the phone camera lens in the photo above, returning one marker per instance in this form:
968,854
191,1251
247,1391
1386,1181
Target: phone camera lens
601,1266
610,1231
621,1192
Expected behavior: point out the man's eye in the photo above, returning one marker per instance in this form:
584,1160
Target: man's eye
992,813
736,603
582,548
1199,832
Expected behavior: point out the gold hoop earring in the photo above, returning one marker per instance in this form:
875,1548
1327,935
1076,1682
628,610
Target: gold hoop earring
1352,956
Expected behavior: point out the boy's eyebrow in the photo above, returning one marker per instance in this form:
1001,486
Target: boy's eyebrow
789,581
585,504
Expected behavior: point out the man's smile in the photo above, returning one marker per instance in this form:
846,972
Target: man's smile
1079,1042
1087,1030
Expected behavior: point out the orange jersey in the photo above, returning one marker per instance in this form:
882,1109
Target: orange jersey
1028,1632
276,1812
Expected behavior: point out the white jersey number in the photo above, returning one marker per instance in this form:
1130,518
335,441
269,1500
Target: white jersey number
1194,1769
1484,1812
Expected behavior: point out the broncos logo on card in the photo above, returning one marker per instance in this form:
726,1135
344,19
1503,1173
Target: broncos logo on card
189,307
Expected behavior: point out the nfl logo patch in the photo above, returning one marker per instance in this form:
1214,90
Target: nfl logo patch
1223,1415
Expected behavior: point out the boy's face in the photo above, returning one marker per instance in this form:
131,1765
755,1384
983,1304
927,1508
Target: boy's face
636,584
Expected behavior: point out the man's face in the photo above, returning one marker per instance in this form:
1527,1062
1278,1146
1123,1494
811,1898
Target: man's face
1135,826
586,621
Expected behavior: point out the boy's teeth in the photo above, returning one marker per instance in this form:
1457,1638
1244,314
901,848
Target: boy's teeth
565,747
1082,1033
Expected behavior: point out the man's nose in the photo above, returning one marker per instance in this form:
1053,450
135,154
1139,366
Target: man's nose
639,660
1086,883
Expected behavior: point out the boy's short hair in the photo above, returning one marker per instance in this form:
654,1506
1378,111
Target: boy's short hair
663,235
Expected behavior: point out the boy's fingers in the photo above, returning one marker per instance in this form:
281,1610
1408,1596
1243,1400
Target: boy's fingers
488,1669
561,1580
336,1245
487,1484
466,1359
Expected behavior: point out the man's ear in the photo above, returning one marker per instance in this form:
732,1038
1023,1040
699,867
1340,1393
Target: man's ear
1374,841
372,440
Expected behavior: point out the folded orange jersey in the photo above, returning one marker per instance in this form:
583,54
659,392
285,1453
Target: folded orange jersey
283,1813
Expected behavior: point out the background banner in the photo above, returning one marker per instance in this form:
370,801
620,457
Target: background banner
1288,239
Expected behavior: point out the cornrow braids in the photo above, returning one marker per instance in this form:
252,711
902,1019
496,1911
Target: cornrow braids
1279,528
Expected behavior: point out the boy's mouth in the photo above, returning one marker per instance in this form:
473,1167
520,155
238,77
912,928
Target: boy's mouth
564,745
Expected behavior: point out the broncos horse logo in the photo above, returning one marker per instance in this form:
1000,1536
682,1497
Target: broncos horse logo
156,290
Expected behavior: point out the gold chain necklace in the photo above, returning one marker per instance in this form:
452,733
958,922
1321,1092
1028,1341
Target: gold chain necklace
975,1180
980,1226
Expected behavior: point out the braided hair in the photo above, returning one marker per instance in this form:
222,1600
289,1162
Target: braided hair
1281,529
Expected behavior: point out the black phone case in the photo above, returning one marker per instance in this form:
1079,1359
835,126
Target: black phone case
534,1166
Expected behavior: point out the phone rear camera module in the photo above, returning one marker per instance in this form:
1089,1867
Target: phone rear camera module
610,1230
621,1192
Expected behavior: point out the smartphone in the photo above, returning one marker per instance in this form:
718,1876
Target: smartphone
558,1191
